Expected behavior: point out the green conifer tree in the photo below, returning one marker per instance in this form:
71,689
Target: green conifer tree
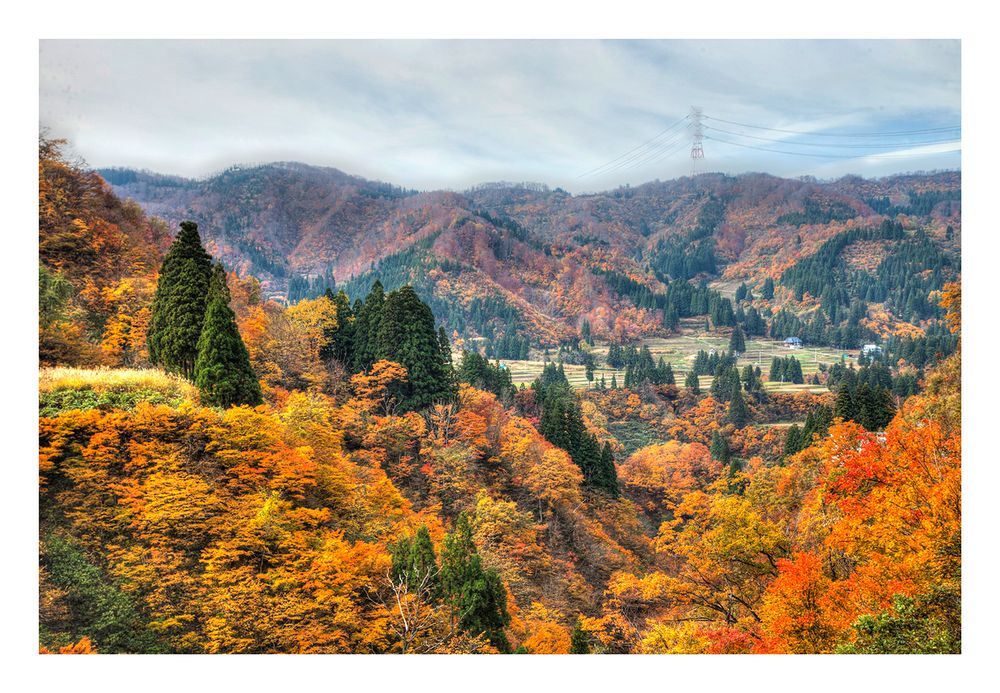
476,597
368,319
415,563
692,383
668,375
738,412
579,643
222,369
341,339
607,476
845,406
407,336
719,448
737,343
793,440
178,311
767,291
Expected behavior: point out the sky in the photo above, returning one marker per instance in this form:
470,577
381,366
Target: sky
583,115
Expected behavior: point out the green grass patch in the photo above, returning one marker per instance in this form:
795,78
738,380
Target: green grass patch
62,389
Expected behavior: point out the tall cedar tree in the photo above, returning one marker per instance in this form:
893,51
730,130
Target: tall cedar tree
476,596
607,476
178,311
222,370
692,383
414,563
407,336
793,440
737,344
738,412
368,319
340,340
719,448
444,344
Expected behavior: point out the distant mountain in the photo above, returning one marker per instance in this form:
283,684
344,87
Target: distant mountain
525,260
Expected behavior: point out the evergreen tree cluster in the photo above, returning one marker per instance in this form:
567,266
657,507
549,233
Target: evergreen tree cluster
682,299
727,378
692,383
562,425
817,424
919,204
728,385
876,375
786,370
767,289
903,280
340,340
193,330
302,287
491,317
848,334
936,344
686,256
399,327
642,370
474,596
872,406
752,321
743,293
753,383
709,364
480,373
816,212
509,346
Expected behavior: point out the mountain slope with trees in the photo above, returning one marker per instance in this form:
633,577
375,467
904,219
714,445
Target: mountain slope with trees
326,477
522,261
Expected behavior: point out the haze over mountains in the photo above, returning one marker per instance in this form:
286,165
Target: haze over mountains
551,259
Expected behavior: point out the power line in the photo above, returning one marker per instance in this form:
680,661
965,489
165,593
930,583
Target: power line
663,144
641,158
833,156
634,149
678,146
845,134
837,145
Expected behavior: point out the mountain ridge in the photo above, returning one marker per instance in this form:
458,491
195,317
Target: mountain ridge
542,250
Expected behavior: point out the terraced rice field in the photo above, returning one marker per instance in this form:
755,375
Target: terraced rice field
680,352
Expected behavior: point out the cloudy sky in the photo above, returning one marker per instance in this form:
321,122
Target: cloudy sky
584,115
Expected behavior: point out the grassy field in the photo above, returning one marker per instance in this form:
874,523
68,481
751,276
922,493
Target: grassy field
680,352
112,380
62,389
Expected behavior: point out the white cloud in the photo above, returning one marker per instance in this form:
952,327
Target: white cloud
451,113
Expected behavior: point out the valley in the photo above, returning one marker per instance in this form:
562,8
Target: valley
283,409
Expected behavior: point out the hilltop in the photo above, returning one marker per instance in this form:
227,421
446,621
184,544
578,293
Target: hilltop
522,260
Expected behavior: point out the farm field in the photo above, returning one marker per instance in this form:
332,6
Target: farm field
680,352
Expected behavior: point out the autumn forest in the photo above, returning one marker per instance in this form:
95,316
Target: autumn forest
283,409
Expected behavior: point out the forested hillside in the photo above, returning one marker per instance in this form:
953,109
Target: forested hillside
526,263
224,470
